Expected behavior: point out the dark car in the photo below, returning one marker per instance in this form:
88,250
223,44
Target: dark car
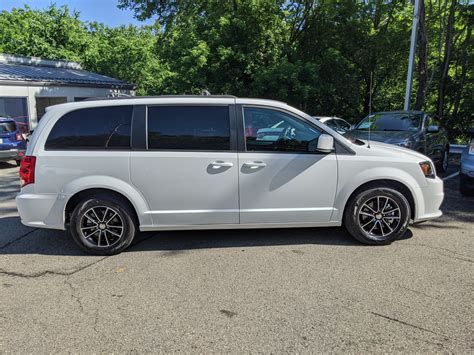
466,175
410,129
12,144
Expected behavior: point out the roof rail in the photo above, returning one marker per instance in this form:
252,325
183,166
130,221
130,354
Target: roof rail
162,96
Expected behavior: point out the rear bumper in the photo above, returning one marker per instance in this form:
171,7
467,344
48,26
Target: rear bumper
428,200
41,210
11,154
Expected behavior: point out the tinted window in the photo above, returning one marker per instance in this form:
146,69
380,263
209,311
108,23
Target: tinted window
7,127
189,127
271,130
93,128
391,122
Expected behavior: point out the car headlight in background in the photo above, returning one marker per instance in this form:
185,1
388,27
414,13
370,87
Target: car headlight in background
428,169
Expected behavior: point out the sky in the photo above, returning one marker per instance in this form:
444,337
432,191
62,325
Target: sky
104,11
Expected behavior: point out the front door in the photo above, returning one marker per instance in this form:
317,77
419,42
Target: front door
188,174
280,181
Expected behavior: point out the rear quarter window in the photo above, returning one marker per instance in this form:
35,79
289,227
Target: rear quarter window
193,128
92,128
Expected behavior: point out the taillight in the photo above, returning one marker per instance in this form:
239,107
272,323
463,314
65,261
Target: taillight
27,170
19,137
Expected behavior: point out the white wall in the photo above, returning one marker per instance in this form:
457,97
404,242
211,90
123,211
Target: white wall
31,92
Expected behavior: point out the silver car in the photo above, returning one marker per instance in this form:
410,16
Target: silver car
466,175
106,169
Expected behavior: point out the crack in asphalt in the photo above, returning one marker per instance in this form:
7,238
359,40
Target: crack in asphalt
52,272
409,324
419,292
18,239
49,272
457,256
73,295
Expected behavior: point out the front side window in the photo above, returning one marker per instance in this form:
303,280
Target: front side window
92,128
188,128
276,131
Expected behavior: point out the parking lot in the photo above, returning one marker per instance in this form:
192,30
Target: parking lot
298,290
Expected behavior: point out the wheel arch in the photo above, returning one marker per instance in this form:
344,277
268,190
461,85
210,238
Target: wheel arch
91,192
88,187
394,184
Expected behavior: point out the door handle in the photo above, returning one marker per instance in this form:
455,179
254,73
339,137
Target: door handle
222,164
255,164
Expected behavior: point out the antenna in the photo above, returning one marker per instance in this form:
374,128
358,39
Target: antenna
370,109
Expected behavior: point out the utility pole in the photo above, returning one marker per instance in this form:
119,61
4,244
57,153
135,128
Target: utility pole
411,59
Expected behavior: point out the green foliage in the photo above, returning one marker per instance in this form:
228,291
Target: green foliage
317,55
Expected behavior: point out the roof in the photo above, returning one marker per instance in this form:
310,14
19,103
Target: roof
18,70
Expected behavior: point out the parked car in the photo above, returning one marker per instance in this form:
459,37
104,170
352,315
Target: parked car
466,175
410,129
12,144
105,169
340,125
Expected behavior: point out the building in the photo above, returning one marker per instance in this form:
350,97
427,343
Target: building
28,85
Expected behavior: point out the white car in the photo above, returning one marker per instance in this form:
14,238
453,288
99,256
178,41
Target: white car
108,168
340,125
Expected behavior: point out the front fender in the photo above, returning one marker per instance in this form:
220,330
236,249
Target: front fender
347,185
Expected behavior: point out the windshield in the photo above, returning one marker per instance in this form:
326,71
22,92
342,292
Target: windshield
391,122
7,127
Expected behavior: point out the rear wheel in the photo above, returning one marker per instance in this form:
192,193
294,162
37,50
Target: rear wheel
102,226
377,216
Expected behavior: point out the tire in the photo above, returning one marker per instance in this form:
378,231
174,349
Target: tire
95,228
442,167
377,228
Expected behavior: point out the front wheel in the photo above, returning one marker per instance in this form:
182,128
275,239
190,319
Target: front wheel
102,226
377,216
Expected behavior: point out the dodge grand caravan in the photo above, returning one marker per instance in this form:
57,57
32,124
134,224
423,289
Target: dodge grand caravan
105,169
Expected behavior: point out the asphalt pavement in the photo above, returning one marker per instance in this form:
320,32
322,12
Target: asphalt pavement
284,290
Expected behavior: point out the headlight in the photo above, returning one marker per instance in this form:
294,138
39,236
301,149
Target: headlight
428,169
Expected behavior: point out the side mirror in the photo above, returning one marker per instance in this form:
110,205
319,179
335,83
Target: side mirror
433,129
324,144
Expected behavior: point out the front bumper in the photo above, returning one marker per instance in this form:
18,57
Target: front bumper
11,154
428,200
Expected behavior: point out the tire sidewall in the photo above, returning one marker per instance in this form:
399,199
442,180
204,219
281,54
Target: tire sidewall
352,222
125,215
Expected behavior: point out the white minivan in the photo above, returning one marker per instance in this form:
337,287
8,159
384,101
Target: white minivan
108,168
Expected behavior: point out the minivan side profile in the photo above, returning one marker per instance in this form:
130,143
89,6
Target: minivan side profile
105,169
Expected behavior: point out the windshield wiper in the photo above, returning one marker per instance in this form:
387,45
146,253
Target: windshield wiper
393,130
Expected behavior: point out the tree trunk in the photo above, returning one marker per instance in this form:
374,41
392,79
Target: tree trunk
422,68
446,60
